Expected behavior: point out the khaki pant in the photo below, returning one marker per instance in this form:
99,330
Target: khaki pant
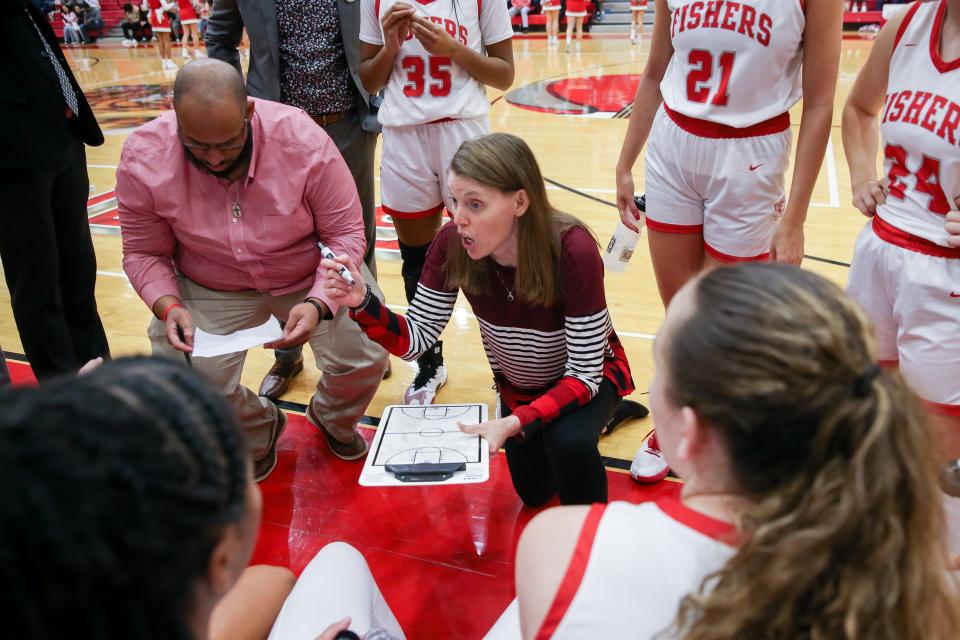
352,365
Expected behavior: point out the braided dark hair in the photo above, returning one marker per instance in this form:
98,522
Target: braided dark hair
115,487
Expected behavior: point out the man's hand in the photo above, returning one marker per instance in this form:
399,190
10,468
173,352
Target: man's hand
396,26
953,227
301,321
177,322
787,244
495,432
434,38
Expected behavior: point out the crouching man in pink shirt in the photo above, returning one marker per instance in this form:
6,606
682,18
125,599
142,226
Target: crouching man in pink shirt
222,202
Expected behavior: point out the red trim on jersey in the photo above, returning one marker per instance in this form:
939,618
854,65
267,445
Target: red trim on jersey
441,121
942,65
574,575
412,215
666,227
479,8
711,527
952,410
889,233
376,8
906,20
726,258
707,129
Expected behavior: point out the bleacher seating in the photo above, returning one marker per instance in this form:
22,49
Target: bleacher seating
110,10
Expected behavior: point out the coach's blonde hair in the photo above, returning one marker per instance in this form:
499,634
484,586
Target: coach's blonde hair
506,163
846,536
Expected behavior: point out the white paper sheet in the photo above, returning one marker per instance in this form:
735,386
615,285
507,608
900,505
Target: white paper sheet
412,434
207,345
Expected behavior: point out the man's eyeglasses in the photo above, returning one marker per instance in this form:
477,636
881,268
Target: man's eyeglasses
236,142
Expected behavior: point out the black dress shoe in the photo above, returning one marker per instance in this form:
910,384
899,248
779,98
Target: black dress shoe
277,380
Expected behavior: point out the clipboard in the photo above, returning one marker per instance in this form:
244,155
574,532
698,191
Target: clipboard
418,445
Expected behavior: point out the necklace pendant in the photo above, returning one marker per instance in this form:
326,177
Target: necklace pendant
510,296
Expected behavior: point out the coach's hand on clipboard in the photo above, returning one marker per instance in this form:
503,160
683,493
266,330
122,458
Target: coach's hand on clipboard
177,322
495,432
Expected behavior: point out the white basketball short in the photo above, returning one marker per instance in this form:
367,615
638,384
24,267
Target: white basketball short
730,190
414,164
913,299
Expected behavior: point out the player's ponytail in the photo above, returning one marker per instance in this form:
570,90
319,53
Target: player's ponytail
506,163
845,538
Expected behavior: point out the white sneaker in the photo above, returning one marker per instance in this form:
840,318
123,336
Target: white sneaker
199,54
184,52
649,465
169,64
431,376
127,43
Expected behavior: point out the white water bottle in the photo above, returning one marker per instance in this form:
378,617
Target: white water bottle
623,242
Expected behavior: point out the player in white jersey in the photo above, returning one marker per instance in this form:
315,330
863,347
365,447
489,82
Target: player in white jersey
719,138
905,271
433,58
637,9
772,409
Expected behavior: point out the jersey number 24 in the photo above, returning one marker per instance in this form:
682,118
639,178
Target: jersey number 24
927,178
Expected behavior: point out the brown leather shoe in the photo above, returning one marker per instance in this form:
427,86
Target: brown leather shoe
266,464
353,450
277,380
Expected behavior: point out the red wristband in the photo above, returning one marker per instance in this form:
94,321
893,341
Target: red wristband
166,312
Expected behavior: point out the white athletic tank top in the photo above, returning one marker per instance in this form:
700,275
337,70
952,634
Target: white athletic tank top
734,63
920,125
632,566
423,88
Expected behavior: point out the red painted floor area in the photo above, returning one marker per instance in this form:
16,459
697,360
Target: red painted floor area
436,552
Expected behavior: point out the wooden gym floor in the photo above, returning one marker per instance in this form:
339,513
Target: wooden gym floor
450,545
576,152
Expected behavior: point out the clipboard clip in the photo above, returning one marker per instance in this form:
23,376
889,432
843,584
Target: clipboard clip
425,471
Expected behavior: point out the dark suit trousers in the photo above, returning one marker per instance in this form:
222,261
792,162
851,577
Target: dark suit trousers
357,148
50,266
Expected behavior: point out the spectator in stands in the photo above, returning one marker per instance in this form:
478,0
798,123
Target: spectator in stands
522,7
129,512
808,508
91,22
203,11
71,24
130,25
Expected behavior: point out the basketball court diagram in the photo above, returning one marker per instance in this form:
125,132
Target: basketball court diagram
413,435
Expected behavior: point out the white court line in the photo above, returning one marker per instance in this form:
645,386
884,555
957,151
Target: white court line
101,166
402,308
628,334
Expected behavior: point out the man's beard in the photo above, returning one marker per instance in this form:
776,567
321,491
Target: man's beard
242,160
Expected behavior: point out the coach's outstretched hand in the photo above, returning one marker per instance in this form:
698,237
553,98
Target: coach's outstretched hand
953,227
495,432
337,286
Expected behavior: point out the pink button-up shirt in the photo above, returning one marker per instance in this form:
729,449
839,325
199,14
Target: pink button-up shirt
257,233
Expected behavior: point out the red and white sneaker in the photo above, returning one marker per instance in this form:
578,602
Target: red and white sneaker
649,465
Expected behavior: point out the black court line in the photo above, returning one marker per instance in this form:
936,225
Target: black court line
580,193
372,421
